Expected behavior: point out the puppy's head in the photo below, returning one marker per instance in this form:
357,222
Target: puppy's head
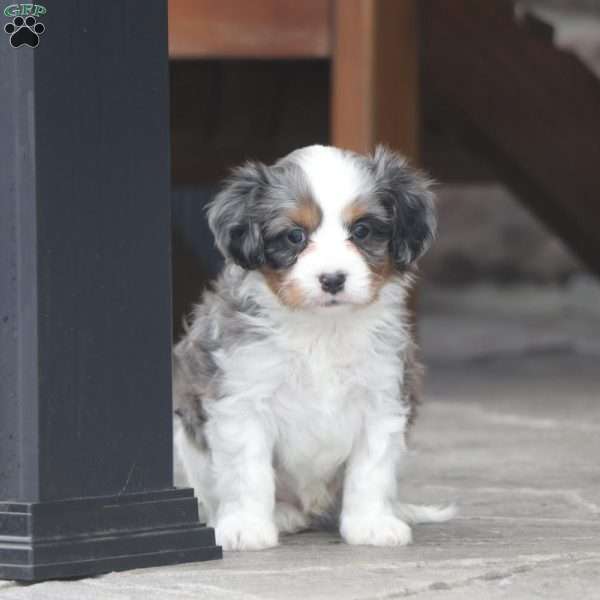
325,227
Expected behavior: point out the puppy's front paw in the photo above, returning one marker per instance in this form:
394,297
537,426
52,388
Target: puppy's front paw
240,531
378,530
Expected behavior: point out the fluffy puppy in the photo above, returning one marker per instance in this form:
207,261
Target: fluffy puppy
294,384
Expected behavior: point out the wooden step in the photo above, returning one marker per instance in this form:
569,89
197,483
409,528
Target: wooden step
532,107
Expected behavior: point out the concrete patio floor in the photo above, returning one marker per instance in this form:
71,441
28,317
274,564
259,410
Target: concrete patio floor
510,429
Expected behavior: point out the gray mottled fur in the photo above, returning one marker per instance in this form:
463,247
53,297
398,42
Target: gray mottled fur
218,324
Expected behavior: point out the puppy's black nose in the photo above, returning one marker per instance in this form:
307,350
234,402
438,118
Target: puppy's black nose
332,282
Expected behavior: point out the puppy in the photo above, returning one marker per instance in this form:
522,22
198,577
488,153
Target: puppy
295,382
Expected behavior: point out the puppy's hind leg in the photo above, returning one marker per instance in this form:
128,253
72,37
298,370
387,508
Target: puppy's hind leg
289,519
196,468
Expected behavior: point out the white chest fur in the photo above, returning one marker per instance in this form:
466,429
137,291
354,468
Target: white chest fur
314,384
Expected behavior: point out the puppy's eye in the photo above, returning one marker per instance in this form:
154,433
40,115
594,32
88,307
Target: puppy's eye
296,236
360,231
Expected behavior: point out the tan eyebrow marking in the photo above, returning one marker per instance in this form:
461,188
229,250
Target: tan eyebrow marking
308,214
355,211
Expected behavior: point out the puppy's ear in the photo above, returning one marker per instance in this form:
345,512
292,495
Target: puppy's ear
233,216
407,196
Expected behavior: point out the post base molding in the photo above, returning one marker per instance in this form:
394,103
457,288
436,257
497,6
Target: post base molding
82,537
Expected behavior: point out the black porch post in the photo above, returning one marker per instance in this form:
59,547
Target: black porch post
85,381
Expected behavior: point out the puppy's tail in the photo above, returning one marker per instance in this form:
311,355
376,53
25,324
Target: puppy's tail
417,513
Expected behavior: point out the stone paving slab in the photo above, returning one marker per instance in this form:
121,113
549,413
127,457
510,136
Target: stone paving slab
514,438
528,487
317,566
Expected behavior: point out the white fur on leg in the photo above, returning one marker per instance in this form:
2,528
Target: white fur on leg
370,485
375,530
196,468
245,531
244,484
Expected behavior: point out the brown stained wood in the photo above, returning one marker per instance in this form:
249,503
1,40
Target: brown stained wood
375,75
530,106
352,76
249,29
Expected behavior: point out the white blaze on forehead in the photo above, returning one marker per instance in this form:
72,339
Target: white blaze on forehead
336,179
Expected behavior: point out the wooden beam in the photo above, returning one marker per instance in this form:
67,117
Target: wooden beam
256,29
375,83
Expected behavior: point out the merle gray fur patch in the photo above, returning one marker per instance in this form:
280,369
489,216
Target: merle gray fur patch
252,211
407,196
217,324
